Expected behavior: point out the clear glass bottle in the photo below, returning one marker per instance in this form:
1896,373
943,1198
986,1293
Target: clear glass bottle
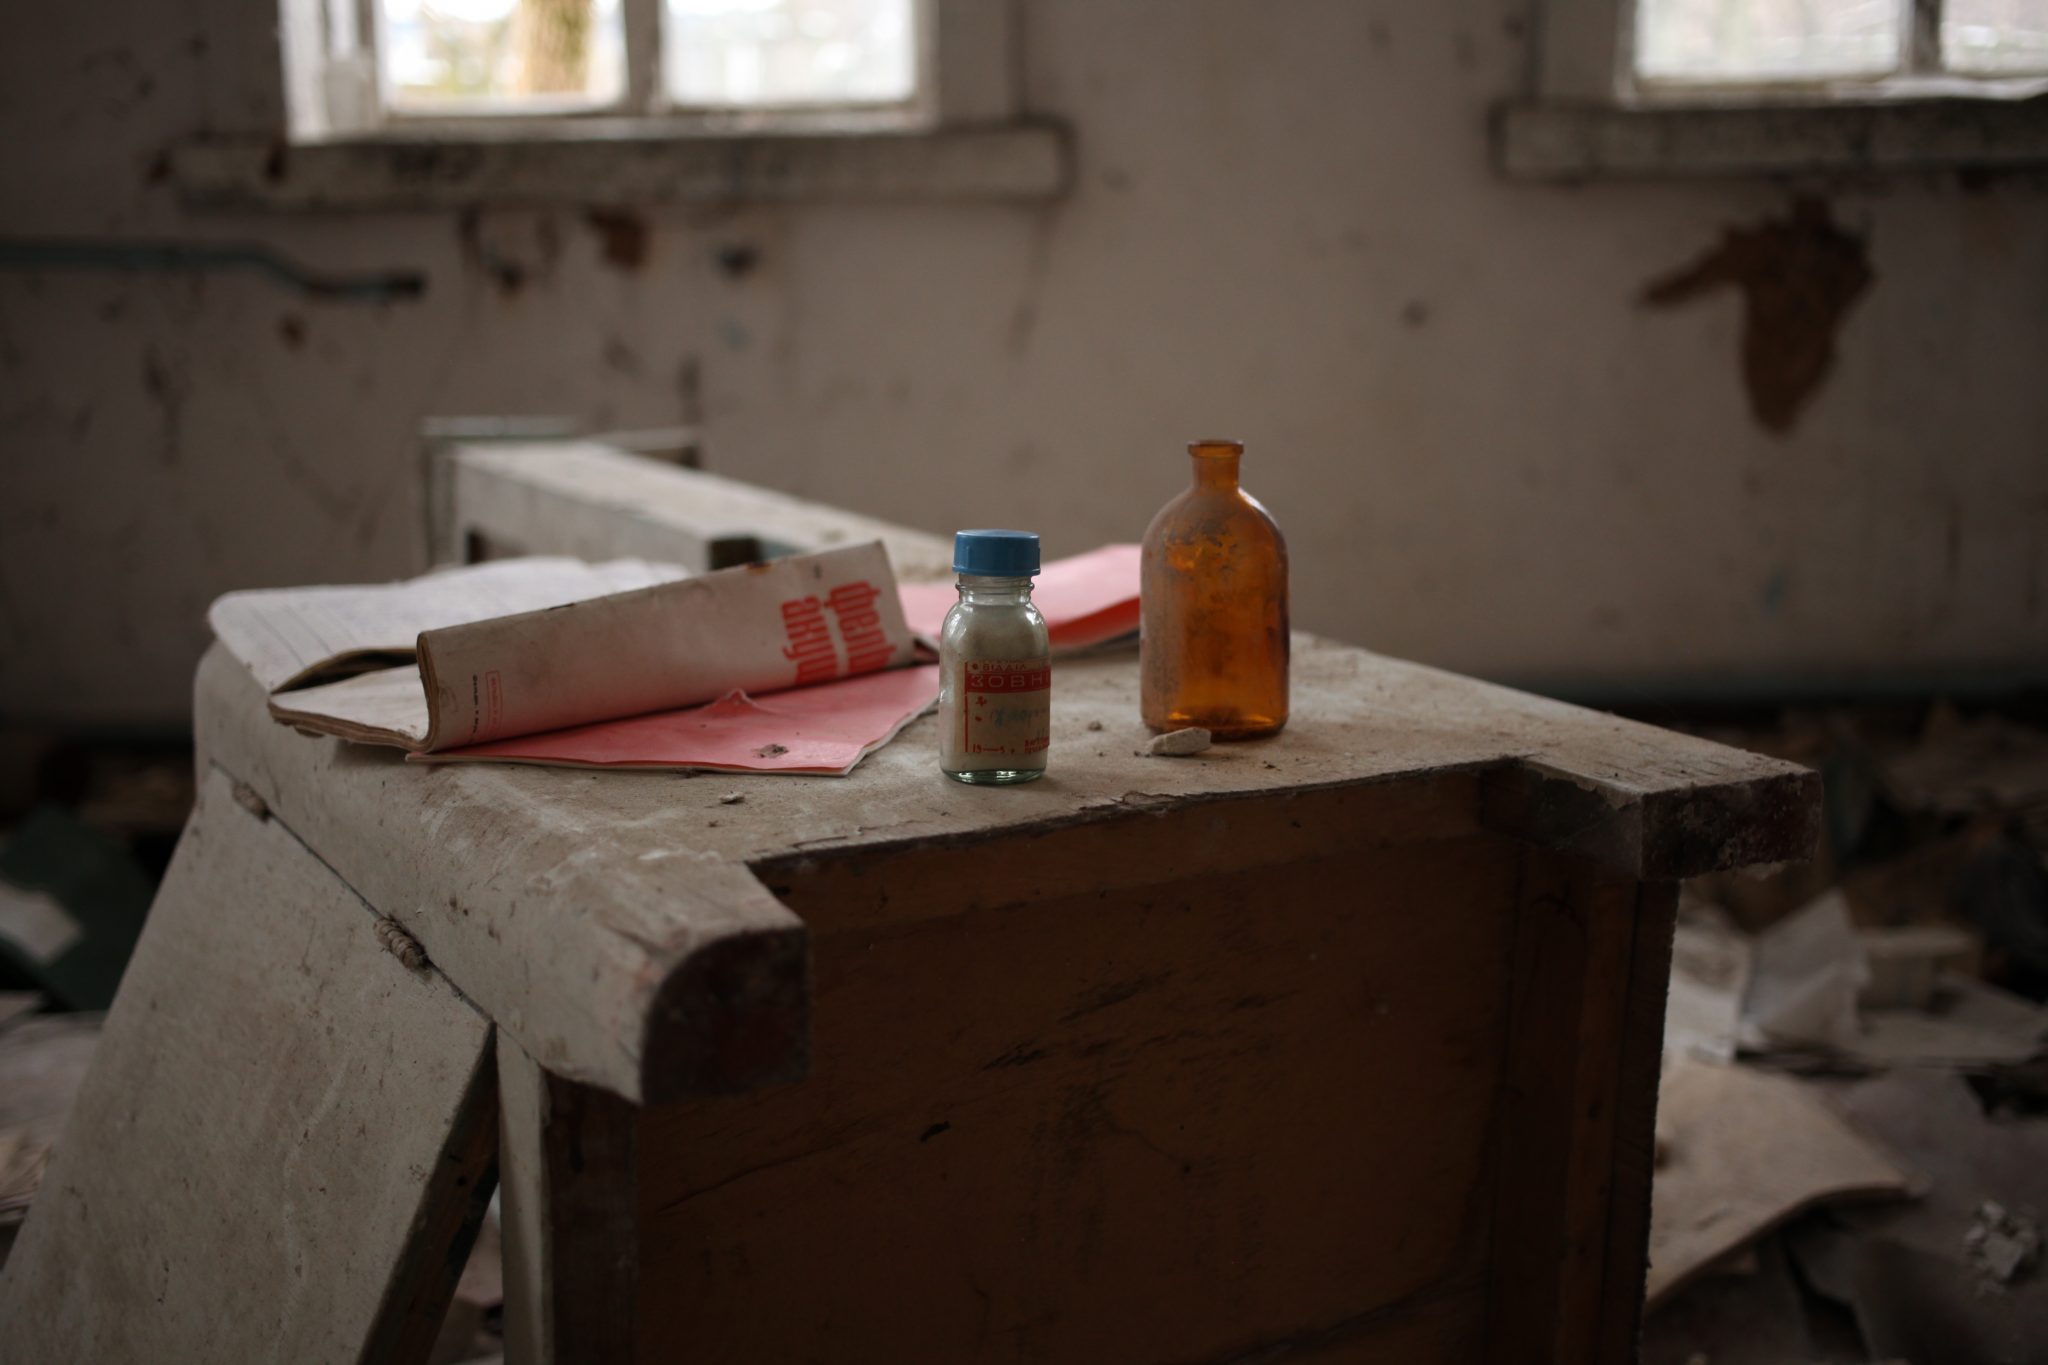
995,666
1213,594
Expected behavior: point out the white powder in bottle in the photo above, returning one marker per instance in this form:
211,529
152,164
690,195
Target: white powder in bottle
995,671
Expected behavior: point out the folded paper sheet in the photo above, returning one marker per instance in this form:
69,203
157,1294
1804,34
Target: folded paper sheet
1087,600
577,673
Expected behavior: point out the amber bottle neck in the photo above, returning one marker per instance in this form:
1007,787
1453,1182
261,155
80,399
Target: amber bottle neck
1215,463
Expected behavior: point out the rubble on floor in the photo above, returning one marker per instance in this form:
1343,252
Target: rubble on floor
474,1329
1853,1128
43,1057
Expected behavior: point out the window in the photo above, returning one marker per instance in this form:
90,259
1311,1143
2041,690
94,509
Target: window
1868,48
421,105
395,65
1666,87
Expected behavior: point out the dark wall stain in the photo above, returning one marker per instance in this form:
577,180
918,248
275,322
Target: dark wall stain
737,260
167,387
1037,266
1799,276
622,237
505,271
621,357
690,392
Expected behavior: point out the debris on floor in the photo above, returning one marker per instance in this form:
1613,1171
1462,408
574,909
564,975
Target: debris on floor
474,1329
87,825
72,902
1711,962
1853,1128
1906,1270
1809,972
1852,1137
2001,1243
43,1058
1746,1151
1906,962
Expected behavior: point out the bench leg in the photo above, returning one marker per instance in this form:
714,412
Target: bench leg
284,1147
571,1250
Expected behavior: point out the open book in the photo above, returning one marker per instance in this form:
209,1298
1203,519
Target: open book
790,666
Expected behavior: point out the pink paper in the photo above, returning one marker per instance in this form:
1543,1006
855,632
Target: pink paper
824,729
1086,599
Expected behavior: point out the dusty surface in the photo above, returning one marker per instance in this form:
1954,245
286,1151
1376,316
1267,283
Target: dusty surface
614,922
1358,716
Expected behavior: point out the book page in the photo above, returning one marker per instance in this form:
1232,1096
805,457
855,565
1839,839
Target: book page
287,636
823,730
388,706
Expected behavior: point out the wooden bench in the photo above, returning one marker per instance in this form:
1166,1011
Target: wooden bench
1342,1045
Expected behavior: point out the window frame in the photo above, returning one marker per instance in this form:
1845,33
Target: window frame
1591,116
299,146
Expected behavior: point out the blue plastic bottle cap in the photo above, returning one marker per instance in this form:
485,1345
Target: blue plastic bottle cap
996,554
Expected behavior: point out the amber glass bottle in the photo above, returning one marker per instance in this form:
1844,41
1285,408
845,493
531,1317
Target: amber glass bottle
1214,597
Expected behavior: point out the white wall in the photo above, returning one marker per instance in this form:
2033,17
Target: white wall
1285,227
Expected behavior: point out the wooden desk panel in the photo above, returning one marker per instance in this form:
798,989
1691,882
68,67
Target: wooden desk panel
1184,1119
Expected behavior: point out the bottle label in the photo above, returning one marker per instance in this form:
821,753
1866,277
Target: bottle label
1008,707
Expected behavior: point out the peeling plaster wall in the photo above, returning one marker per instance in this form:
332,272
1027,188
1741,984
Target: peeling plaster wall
1485,452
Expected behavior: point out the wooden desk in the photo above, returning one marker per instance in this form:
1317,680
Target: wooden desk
1344,1042
1338,1046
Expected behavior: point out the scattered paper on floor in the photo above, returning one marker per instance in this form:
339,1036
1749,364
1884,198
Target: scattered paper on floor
1710,970
1808,972
1746,1150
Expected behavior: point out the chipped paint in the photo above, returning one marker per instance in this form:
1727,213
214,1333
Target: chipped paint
622,237
1799,276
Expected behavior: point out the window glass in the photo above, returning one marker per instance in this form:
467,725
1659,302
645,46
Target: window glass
1995,37
455,56
1768,40
769,53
